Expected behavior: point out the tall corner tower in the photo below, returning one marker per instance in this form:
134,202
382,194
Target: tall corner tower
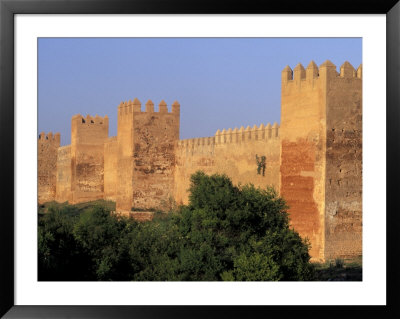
316,102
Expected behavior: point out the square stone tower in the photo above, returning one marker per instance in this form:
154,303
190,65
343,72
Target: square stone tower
321,156
87,157
146,154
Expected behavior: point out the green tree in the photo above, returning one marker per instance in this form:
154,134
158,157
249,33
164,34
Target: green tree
60,256
226,232
240,229
103,237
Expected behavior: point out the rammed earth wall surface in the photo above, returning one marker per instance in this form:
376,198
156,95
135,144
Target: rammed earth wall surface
343,198
313,159
321,164
230,152
47,166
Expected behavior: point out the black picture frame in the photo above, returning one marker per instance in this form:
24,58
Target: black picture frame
8,8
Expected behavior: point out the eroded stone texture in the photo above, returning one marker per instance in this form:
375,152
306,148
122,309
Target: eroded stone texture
343,216
146,154
110,168
80,166
303,131
88,136
47,166
154,136
321,153
63,193
125,155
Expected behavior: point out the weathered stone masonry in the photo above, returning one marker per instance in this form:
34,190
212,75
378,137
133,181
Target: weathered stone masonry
321,160
314,159
47,166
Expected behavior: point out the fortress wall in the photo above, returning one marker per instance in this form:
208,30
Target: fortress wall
64,174
47,166
125,155
314,159
343,197
236,155
192,155
154,137
110,168
230,152
87,157
303,144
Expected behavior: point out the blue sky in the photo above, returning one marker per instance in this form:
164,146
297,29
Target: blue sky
219,82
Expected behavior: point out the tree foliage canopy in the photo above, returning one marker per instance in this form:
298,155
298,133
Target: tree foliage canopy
226,232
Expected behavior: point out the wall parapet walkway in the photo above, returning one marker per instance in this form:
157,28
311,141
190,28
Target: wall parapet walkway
236,136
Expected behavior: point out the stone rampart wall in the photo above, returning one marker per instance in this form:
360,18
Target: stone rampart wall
47,166
314,159
64,175
230,152
110,168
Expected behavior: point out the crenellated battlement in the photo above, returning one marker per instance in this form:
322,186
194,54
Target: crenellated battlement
49,138
204,146
200,141
313,72
234,136
90,120
135,106
88,130
320,167
255,133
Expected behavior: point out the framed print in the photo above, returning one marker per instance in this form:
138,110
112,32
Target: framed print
47,49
